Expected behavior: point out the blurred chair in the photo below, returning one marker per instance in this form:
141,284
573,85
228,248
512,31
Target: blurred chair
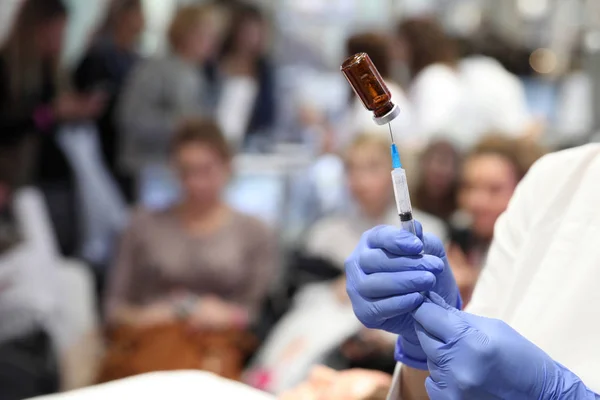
76,332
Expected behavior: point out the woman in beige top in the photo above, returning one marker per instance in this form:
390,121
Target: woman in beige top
199,260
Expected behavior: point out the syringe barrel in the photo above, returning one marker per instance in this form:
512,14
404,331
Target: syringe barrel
403,200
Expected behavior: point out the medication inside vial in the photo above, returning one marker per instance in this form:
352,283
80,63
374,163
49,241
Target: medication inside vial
367,83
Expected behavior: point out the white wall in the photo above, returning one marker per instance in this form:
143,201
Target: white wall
158,17
7,12
84,18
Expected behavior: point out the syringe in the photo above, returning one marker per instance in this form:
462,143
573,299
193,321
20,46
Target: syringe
368,84
401,190
370,87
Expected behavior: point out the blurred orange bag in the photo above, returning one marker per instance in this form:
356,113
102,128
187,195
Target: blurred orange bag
134,351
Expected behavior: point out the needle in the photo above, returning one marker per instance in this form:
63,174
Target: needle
391,134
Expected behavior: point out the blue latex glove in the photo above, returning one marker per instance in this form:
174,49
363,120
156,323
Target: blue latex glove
386,274
472,357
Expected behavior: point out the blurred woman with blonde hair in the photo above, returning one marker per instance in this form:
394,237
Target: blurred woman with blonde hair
162,91
321,320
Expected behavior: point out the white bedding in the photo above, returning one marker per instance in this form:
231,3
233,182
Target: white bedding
181,385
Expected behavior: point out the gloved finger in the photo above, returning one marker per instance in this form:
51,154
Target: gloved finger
391,307
436,372
440,320
386,284
354,272
439,300
377,260
394,240
431,345
419,230
475,323
436,390
433,245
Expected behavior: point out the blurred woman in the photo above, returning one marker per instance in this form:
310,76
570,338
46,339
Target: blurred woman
162,91
368,167
495,99
33,103
488,179
435,89
106,66
435,191
200,262
321,318
246,75
358,119
461,100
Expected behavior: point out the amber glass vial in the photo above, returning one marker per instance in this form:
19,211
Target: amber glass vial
367,83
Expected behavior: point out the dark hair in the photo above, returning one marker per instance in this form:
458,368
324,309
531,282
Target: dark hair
490,43
32,14
445,206
41,10
376,46
116,10
10,231
521,154
201,131
21,57
428,44
241,13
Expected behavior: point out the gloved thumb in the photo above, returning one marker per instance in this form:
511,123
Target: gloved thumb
439,319
474,321
439,300
432,245
419,230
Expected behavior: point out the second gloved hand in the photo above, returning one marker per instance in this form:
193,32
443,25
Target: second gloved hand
386,274
472,357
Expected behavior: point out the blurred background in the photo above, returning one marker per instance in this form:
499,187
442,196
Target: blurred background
181,181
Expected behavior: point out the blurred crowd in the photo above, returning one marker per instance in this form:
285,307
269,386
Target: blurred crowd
100,281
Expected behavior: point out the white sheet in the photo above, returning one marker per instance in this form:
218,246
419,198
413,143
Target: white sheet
181,385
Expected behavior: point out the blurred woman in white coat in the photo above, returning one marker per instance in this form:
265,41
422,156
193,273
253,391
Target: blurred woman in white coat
460,100
435,91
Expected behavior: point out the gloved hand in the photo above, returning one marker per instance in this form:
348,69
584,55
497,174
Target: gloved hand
386,274
472,357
